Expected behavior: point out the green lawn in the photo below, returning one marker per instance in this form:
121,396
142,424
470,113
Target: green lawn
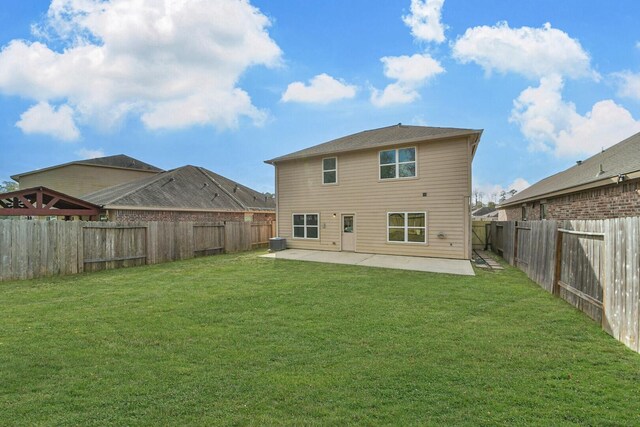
237,339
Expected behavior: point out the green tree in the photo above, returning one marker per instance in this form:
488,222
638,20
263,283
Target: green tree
8,186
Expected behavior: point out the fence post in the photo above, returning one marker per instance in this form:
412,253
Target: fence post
515,244
81,247
558,259
146,244
224,238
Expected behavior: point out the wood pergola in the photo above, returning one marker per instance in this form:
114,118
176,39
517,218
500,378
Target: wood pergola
42,201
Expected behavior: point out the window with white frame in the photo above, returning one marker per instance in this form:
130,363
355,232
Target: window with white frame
407,227
330,170
398,163
305,226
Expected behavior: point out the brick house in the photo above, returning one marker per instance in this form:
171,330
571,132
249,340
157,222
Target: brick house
188,193
606,185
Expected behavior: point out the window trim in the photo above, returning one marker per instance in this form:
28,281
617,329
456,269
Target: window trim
406,228
323,170
398,163
293,234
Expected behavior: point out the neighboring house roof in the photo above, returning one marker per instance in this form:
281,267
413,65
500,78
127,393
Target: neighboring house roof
184,188
483,211
486,216
382,137
120,161
598,170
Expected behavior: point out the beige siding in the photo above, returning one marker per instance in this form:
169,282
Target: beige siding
443,173
78,180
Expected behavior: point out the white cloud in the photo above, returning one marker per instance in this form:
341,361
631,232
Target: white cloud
531,52
44,119
323,89
410,73
424,20
491,192
419,120
519,184
552,124
546,120
85,153
174,63
628,84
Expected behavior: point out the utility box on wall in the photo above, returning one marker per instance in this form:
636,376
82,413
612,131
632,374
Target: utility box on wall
277,244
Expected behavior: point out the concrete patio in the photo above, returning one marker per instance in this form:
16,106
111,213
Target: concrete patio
433,265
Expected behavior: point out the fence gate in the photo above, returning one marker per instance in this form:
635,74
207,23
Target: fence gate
479,235
580,270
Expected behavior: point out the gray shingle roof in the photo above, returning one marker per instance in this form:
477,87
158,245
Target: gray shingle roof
622,158
187,187
120,161
390,135
117,161
485,210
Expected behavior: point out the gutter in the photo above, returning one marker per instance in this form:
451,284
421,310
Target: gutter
164,209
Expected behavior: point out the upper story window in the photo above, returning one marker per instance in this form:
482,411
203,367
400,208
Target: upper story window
330,170
398,163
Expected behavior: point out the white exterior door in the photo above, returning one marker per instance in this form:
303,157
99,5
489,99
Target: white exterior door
348,233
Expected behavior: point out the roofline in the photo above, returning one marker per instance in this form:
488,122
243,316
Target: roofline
476,143
111,202
593,184
160,208
385,144
17,177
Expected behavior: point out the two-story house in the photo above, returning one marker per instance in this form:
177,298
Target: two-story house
81,177
399,190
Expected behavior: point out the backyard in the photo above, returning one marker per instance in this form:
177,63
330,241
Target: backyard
237,339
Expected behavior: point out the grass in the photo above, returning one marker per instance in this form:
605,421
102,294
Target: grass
241,340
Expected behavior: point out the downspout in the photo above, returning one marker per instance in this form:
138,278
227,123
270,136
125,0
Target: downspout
277,201
467,202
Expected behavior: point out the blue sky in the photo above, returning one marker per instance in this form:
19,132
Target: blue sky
226,84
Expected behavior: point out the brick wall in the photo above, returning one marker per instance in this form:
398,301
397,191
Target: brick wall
131,215
612,201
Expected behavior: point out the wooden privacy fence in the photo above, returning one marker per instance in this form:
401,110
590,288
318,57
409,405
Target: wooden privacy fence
594,265
30,249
